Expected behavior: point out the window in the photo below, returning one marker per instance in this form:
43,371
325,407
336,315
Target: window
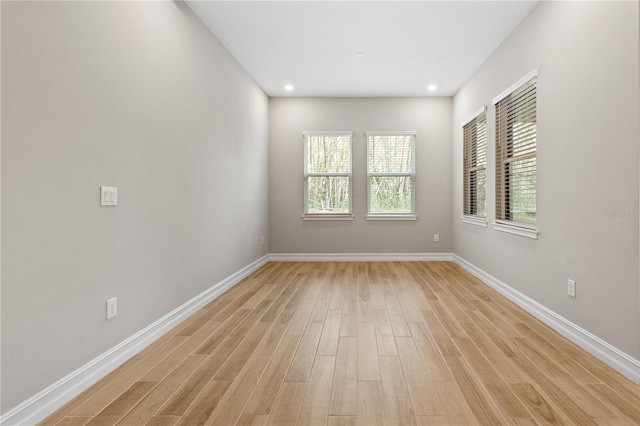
391,174
327,173
516,155
474,166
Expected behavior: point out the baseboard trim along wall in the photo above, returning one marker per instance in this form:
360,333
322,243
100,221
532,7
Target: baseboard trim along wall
359,257
44,403
612,356
38,407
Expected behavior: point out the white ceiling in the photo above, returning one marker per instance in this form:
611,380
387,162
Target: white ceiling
407,45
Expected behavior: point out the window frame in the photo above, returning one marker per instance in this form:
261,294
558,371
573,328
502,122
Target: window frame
305,209
388,215
469,150
503,157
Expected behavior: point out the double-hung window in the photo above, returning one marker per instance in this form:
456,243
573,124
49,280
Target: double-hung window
474,167
327,174
516,121
391,174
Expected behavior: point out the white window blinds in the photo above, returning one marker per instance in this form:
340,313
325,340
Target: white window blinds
327,173
474,166
516,155
391,173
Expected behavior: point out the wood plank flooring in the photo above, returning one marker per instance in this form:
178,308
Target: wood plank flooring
359,343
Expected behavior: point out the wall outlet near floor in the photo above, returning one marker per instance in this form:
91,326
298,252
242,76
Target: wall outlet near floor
571,288
436,238
112,307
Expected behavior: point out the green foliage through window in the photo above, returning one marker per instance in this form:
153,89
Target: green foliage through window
516,146
391,173
327,174
474,165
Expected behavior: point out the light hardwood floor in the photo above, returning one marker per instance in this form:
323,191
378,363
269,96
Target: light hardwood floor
359,343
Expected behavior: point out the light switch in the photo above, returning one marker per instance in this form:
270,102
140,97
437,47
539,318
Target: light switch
108,196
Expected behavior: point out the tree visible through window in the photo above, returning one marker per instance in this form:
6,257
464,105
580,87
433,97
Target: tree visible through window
516,121
327,173
391,173
474,165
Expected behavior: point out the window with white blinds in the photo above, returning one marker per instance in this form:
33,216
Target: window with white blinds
327,173
391,173
474,166
516,155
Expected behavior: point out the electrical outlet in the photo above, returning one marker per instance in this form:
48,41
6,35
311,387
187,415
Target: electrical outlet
571,288
436,237
112,307
261,241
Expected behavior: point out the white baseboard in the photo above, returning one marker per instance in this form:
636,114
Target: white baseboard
358,257
614,357
55,396
38,407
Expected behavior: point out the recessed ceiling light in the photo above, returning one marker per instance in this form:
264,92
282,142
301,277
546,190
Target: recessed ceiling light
288,87
432,87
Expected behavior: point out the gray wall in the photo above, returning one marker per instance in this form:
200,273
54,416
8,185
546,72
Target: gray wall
137,95
141,96
587,57
430,117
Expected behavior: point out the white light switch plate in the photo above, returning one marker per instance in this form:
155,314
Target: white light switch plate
108,196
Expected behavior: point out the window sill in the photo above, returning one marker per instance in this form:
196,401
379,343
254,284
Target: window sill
327,217
392,217
475,220
522,231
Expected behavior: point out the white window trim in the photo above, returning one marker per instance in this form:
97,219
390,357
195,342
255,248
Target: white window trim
391,216
475,115
391,133
330,216
400,216
516,228
328,133
520,229
531,74
474,220
320,216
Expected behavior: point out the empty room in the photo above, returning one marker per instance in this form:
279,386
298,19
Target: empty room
320,213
